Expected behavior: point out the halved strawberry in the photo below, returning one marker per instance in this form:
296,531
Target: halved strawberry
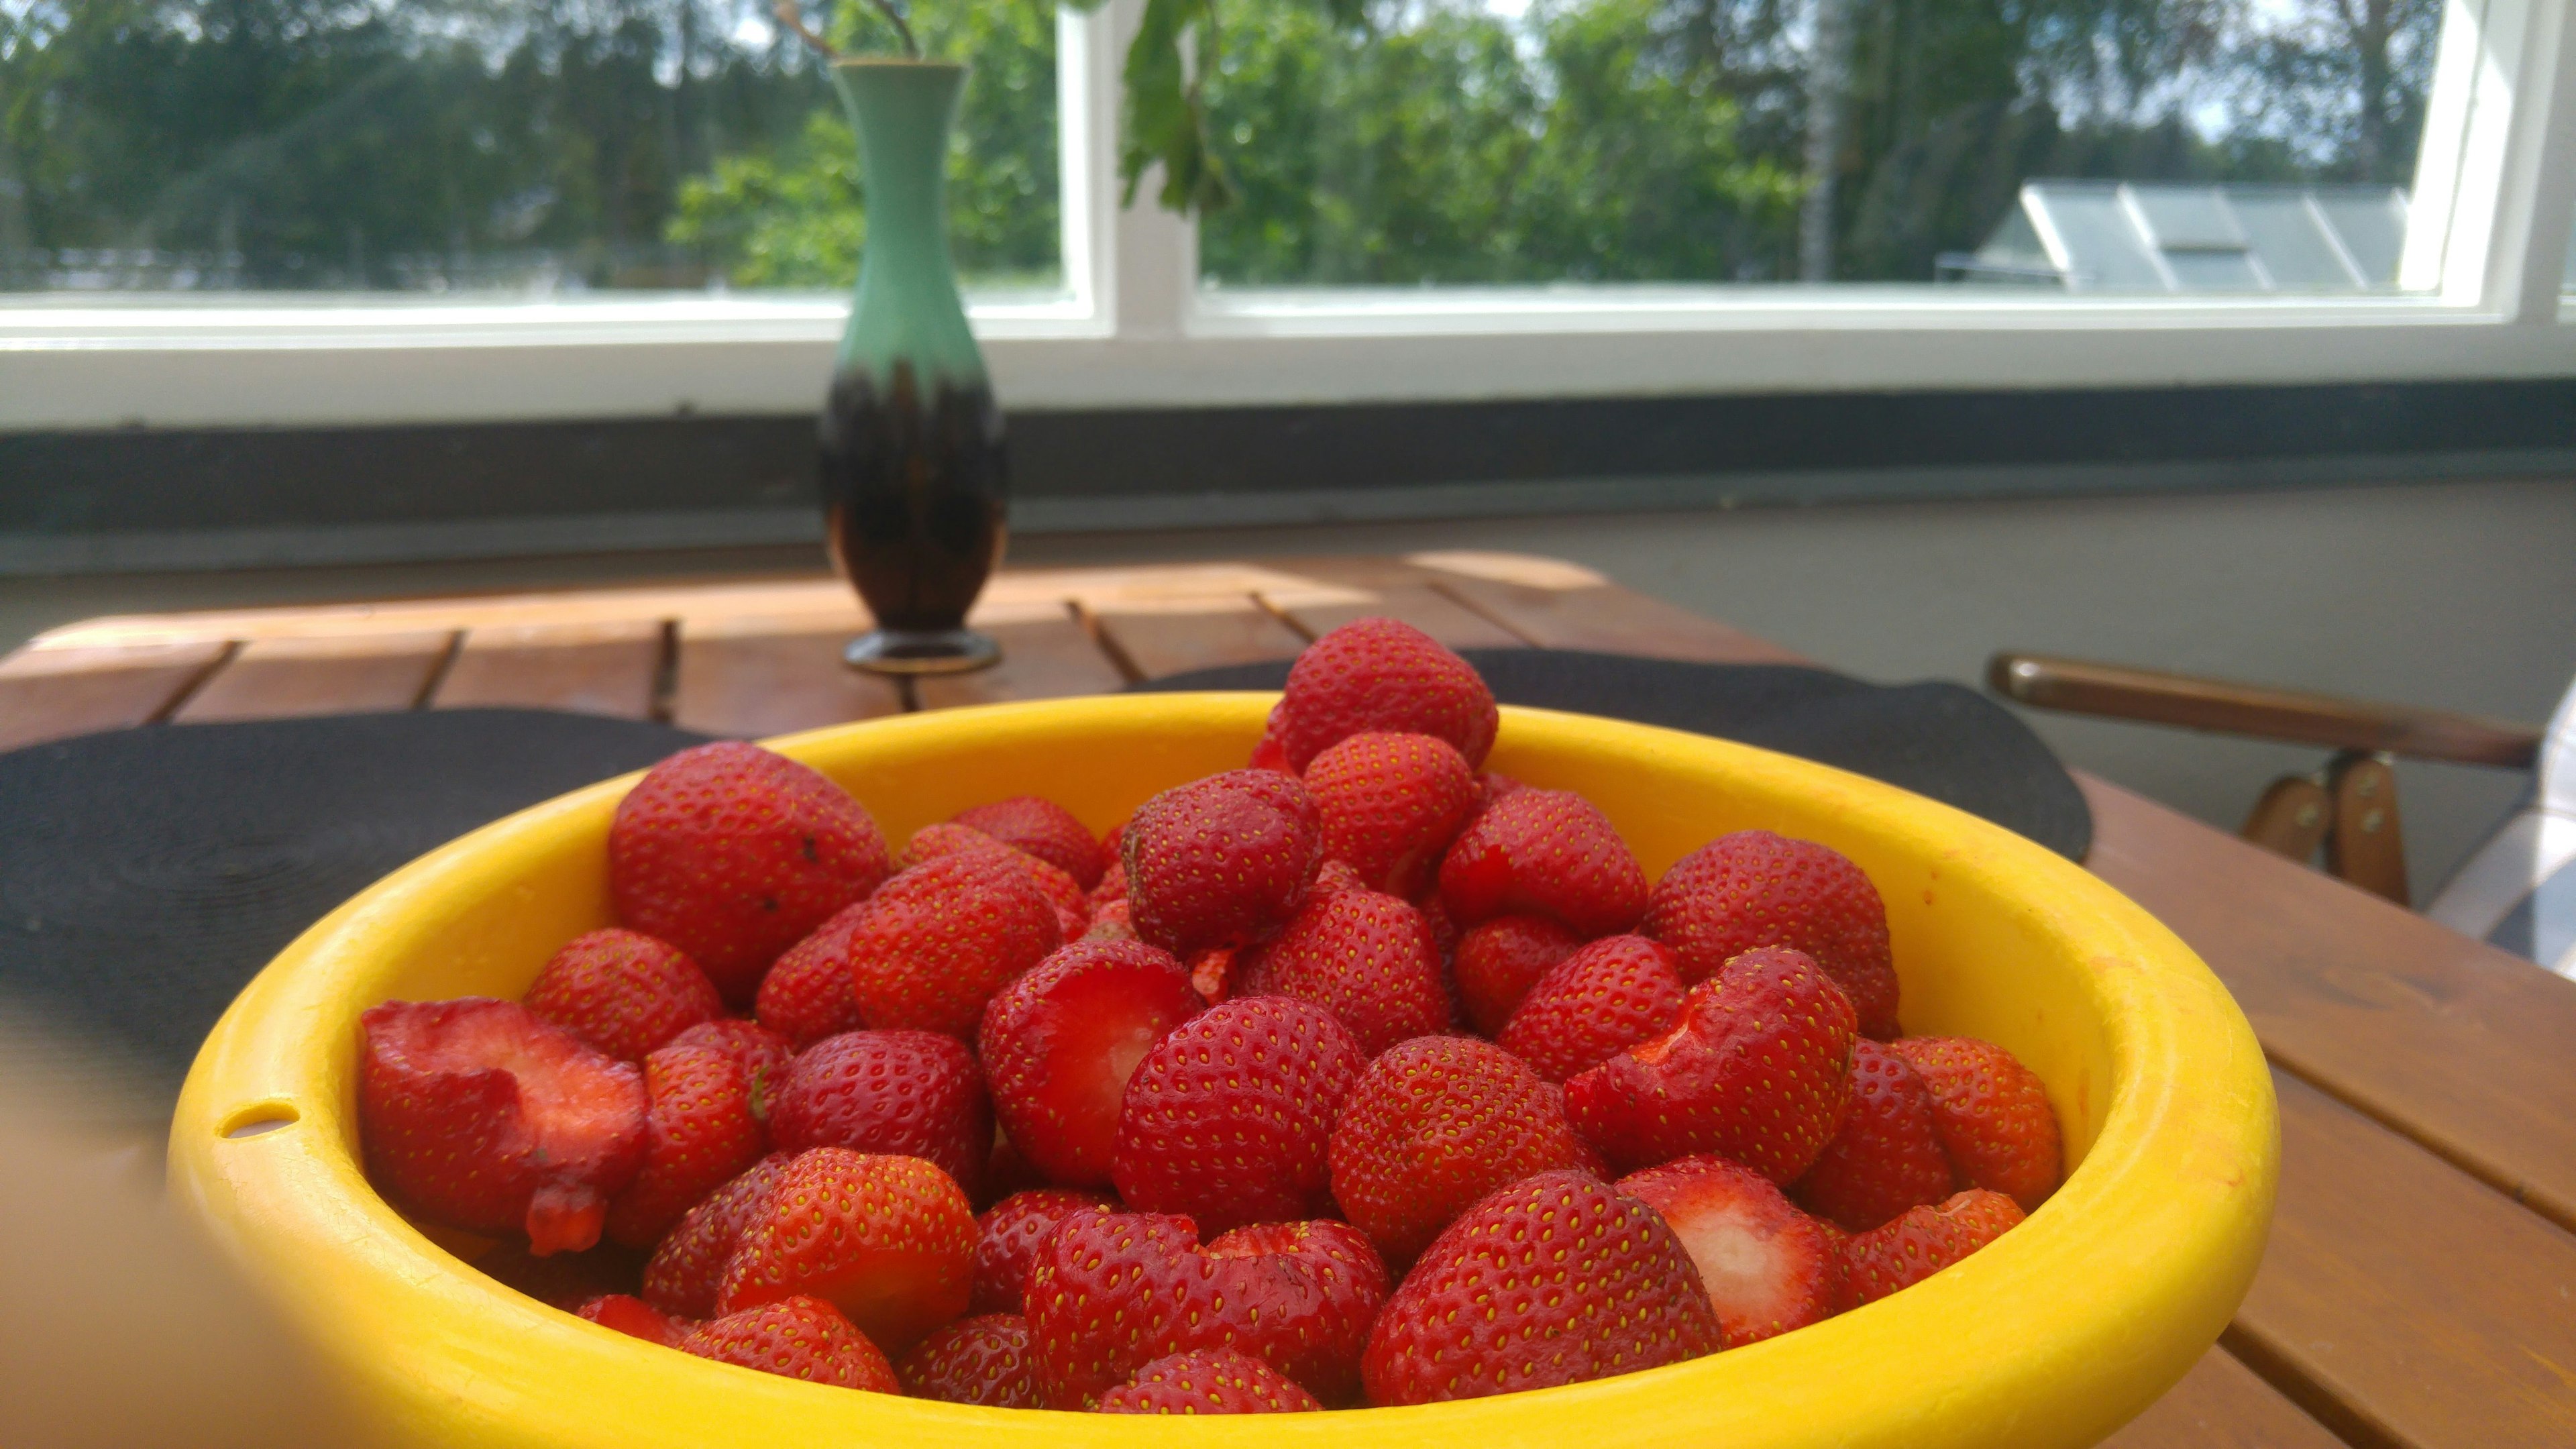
482,1115
910,1093
1544,853
981,1360
1007,1237
623,992
1208,1381
1365,957
798,1338
1059,1044
1887,1157
1391,804
890,1241
1992,1114
1768,1267
1596,1003
1044,829
1499,960
1922,1242
700,1132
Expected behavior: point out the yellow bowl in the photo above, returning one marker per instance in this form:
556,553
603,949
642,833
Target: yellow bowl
2054,1335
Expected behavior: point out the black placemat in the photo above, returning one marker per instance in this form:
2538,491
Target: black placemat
1934,738
147,874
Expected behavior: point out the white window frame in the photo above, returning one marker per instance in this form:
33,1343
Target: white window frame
2494,195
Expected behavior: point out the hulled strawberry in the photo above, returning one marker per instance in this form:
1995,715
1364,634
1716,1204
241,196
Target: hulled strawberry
909,1093
633,1317
1228,1117
1365,957
1499,960
1757,1069
1992,1115
1555,1279
1755,888
1059,1044
1007,1237
890,1241
687,1269
1223,861
1887,1157
1390,805
1435,1124
806,995
700,1132
623,992
1768,1267
1922,1242
732,854
1598,1002
1545,853
1043,829
483,1115
1379,674
797,1338
934,943
981,1360
1208,1381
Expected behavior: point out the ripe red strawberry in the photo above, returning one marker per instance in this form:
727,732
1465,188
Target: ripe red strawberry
1757,1069
889,1241
798,1338
687,1270
1364,957
1492,785
806,995
981,1360
1007,1237
1043,829
1544,853
1110,1292
623,992
482,1115
1227,1117
1009,1171
909,1093
1267,752
1887,1157
1378,674
1500,960
1332,878
1208,1381
1111,921
1223,861
1059,1044
1754,888
1924,1241
1113,881
934,944
733,854
1072,904
1596,1003
1391,804
1435,1124
764,1054
700,1132
1555,1279
633,1317
1768,1267
1992,1115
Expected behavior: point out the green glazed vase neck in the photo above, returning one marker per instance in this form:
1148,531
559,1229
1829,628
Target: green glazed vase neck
907,308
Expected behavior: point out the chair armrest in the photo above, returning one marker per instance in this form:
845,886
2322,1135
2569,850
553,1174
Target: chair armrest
2147,695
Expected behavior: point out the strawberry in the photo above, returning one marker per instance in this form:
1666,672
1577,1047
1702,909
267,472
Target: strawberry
1267,752
1992,1115
1043,829
623,992
1366,958
1212,974
1596,1003
1435,1124
1332,878
700,1132
1554,1279
482,1115
934,944
1390,805
633,1317
889,1241
1110,1292
981,1360
1009,1171
1499,960
1059,1044
1757,1069
1378,674
1444,936
1922,1242
732,854
1768,1267
1228,1116
806,995
1111,921
1754,888
687,1269
1113,881
1222,861
1072,904
1887,1157
1208,1381
798,1338
1492,785
1007,1237
1544,853
764,1054
909,1093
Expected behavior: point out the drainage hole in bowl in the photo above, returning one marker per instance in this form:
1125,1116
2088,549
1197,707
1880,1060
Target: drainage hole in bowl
259,1117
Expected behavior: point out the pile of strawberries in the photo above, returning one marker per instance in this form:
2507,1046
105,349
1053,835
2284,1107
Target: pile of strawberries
1354,1076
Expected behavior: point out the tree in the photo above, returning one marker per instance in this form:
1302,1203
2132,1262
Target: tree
2341,84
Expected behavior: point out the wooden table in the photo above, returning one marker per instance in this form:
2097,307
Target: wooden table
2420,1287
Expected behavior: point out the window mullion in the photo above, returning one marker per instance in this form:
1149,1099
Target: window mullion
1155,252
2538,203
1087,151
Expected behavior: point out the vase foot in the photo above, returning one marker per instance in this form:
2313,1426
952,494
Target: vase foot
922,651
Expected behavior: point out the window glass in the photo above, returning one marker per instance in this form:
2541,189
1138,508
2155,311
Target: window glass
523,147
2179,146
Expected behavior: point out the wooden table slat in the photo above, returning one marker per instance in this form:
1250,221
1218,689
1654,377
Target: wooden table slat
608,668
46,694
1201,633
753,677
1420,604
2222,1404
1611,620
350,674
1046,654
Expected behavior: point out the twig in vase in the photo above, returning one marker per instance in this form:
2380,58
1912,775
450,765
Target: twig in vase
788,16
